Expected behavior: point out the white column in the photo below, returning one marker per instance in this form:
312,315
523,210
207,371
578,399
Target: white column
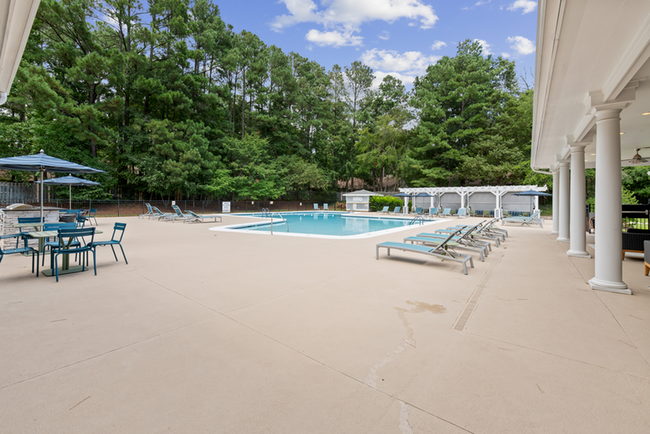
578,233
462,200
564,203
608,274
556,202
497,204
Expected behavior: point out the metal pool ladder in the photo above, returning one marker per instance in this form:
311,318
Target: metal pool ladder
417,219
280,215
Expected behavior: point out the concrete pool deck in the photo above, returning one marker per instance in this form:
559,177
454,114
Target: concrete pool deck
222,332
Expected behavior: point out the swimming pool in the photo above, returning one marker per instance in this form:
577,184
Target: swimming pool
324,225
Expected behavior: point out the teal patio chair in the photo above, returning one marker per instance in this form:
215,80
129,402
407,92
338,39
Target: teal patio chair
150,213
114,241
66,236
92,214
446,212
159,214
397,209
24,250
26,220
177,214
53,244
385,210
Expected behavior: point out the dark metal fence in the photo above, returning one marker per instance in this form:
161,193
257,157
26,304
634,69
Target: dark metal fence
117,208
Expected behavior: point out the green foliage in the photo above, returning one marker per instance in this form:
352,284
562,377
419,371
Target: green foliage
170,102
377,203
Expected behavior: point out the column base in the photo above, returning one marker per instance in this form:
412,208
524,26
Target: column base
555,232
578,253
604,285
562,240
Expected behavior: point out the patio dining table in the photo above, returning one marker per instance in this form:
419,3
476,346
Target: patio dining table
65,262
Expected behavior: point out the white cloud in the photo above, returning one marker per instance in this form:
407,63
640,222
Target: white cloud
353,13
389,60
506,55
437,45
406,79
384,35
333,38
521,45
485,46
525,5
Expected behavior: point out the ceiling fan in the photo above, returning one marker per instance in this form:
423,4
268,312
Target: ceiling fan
637,158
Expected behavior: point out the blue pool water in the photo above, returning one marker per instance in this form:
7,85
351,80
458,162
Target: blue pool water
326,223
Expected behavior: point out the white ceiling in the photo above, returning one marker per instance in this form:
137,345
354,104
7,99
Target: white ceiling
585,47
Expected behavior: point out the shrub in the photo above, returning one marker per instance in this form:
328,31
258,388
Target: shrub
377,203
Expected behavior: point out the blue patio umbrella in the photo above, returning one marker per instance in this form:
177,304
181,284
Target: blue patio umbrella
403,195
42,162
69,181
532,193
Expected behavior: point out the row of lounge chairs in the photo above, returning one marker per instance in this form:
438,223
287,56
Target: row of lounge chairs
443,242
434,212
187,216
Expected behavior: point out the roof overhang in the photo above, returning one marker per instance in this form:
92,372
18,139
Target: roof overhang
16,18
589,54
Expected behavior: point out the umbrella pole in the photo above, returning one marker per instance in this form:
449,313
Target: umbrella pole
70,196
42,186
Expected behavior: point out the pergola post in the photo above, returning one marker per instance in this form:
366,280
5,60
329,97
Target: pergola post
578,199
564,202
608,274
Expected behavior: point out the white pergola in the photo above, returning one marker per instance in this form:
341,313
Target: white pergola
465,193
16,18
591,109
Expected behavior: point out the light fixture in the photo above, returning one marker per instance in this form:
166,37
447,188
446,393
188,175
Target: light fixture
645,114
637,159
593,154
622,132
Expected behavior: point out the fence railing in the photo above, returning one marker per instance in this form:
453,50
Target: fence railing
118,208
18,192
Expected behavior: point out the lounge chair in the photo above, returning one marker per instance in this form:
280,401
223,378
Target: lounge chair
316,207
159,214
533,219
442,250
429,241
446,212
465,240
325,207
150,213
177,214
479,231
199,218
462,212
417,211
385,210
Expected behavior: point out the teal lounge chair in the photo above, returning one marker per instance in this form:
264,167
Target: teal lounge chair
150,213
525,221
385,210
464,241
325,207
443,251
417,211
396,210
177,214
159,214
446,212
199,218
462,212
316,207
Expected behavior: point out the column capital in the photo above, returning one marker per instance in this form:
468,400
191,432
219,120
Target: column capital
563,163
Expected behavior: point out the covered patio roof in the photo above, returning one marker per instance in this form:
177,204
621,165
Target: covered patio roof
588,54
16,18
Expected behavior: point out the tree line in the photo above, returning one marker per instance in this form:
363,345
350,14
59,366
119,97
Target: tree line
171,101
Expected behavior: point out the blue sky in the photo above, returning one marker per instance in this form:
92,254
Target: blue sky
397,37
